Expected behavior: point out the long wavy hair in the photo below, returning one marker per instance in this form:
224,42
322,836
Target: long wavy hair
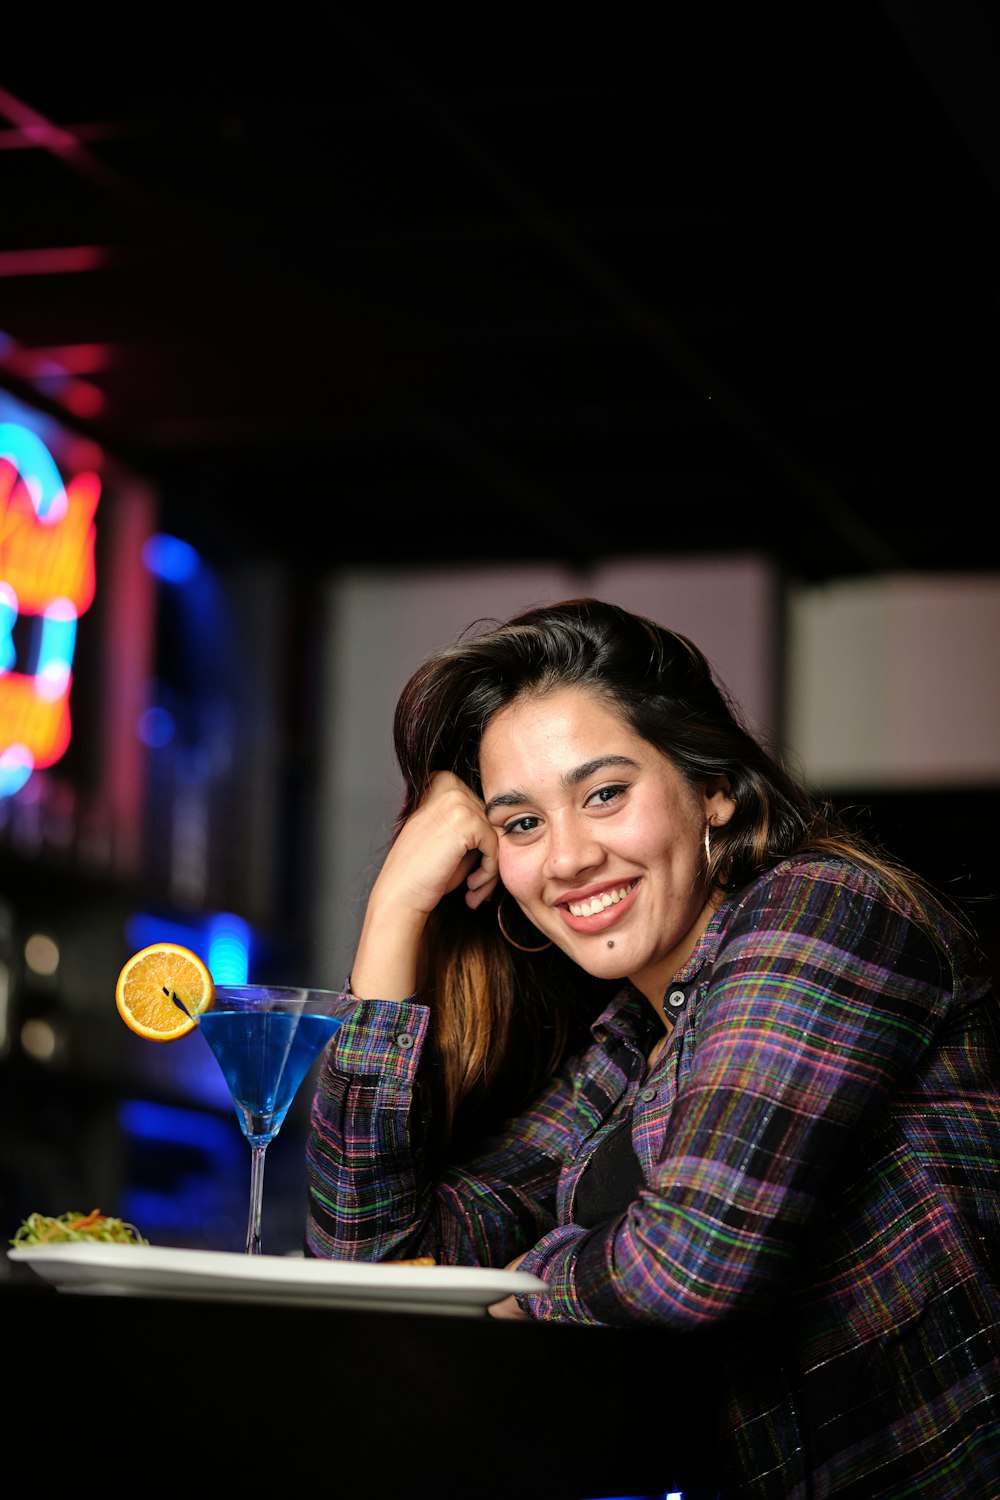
502,1020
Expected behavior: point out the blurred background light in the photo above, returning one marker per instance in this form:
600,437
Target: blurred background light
41,954
38,1040
37,468
8,614
156,727
16,766
229,949
170,559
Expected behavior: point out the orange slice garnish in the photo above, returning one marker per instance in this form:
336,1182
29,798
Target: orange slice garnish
162,991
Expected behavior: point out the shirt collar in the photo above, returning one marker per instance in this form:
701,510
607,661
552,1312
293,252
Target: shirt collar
626,1015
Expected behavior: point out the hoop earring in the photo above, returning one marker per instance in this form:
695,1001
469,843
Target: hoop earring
708,846
506,935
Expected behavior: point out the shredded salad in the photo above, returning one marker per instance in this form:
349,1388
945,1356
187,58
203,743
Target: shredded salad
43,1229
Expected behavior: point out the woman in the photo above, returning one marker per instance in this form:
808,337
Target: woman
781,1127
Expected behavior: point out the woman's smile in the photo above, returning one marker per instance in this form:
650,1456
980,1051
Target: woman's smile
599,903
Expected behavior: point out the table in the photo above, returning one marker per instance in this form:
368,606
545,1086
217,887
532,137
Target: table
242,1397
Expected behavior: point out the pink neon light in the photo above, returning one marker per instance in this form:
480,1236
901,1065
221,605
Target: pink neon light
55,262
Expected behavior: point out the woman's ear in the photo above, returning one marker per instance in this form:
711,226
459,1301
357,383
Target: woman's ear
720,804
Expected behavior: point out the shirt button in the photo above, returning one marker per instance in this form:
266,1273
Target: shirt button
647,1094
676,999
404,1040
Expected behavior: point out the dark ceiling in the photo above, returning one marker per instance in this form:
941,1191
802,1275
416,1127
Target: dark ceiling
546,287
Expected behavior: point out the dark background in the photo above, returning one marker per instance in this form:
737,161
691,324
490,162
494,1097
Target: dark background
448,286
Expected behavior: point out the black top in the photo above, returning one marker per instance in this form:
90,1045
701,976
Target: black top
612,1179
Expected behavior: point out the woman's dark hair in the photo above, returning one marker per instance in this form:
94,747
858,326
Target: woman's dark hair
503,1020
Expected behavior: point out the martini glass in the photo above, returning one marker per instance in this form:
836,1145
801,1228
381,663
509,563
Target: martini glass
265,1039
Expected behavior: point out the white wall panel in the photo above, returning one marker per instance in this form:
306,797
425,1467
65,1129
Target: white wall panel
894,683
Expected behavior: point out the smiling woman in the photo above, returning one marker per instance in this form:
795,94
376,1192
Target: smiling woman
604,849
633,1012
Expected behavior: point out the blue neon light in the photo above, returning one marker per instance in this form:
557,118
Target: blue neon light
170,559
36,466
16,766
156,727
8,614
142,1119
58,639
181,1162
228,949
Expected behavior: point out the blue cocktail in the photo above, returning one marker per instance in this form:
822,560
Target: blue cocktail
265,1039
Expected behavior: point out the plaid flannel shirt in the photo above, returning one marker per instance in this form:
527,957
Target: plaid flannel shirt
820,1143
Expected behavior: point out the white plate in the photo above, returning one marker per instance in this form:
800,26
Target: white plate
161,1271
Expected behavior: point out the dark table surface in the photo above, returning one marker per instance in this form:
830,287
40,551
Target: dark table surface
241,1397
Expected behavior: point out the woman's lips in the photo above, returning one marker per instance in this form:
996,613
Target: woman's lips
601,909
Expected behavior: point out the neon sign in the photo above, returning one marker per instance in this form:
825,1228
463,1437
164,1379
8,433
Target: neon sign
46,583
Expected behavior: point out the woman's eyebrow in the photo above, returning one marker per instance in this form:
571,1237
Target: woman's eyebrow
506,799
571,778
600,763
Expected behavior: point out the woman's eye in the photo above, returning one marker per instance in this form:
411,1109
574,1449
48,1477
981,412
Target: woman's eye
606,795
527,824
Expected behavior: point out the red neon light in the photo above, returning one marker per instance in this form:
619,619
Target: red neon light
44,560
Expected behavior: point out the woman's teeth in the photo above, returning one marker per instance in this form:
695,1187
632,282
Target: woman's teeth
599,903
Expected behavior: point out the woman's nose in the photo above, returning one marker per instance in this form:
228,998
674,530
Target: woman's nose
572,848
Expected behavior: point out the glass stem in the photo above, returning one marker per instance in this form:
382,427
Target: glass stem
256,1198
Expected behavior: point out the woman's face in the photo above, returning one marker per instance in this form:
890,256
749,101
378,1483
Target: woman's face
601,839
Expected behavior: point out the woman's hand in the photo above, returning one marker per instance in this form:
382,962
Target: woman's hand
509,1308
446,840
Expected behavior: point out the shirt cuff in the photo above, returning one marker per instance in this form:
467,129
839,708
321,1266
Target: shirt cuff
381,1037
